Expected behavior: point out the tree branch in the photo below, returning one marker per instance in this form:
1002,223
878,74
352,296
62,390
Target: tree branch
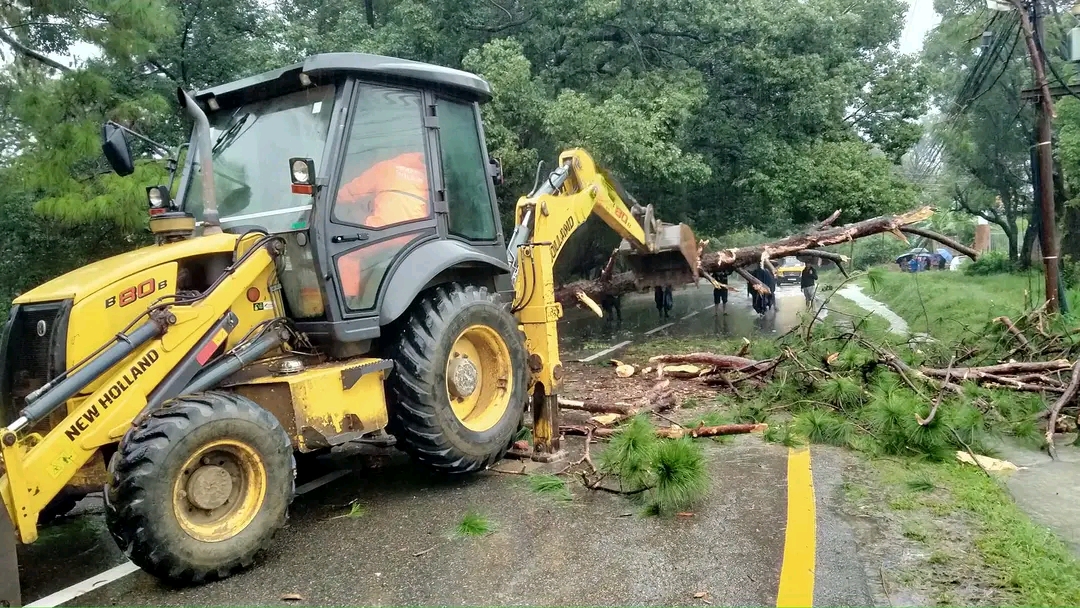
26,51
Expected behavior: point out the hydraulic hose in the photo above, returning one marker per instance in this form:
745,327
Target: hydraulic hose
230,364
124,345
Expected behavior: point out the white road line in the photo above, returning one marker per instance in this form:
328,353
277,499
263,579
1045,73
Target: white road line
592,358
74,591
321,481
656,329
689,315
709,306
126,568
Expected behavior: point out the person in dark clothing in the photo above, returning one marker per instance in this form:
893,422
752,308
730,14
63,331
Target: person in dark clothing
808,281
760,302
664,300
719,294
770,282
612,307
941,262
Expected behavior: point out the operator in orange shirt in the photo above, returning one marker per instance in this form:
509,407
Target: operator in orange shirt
389,192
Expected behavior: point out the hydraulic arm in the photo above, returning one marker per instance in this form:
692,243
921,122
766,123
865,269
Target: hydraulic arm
577,188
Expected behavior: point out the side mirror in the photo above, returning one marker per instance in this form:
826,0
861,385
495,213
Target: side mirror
495,171
117,149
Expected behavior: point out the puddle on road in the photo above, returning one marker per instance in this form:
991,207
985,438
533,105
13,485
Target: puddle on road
582,333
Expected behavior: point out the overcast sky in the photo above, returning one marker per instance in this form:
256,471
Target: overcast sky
921,18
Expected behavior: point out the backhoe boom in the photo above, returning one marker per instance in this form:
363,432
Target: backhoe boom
576,189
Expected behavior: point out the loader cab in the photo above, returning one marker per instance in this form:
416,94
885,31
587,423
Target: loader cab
375,171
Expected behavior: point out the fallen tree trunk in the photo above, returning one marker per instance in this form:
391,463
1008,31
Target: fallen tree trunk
728,260
722,362
669,432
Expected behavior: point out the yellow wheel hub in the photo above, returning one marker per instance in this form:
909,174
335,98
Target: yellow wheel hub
219,491
478,377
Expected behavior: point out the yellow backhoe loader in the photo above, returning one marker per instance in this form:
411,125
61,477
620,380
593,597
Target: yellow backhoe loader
331,270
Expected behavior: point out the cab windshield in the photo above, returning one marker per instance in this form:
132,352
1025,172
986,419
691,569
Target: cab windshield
252,145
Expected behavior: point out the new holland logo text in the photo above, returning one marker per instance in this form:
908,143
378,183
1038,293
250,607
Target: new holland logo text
564,231
95,411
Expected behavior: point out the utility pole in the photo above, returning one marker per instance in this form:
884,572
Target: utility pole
1044,112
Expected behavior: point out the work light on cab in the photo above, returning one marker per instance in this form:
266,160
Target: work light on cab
302,172
158,197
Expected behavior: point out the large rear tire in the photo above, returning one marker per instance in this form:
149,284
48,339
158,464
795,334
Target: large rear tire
200,487
459,389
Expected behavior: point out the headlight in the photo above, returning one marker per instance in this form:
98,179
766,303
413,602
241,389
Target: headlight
300,172
158,196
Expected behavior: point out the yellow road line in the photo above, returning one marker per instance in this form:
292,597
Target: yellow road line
797,572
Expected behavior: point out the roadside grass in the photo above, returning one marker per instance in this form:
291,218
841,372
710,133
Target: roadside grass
953,305
1024,561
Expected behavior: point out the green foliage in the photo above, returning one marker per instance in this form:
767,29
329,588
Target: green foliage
474,524
749,412
668,475
681,478
784,434
873,251
991,262
551,486
842,391
356,510
630,454
822,426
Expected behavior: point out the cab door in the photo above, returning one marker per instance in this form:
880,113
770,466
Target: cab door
381,197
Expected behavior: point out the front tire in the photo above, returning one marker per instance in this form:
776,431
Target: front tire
460,385
200,487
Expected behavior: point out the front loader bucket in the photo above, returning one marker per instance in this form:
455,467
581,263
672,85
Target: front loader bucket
674,261
10,593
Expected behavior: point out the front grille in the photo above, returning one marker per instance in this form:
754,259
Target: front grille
32,352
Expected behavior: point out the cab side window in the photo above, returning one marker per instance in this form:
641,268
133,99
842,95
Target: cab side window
465,175
384,180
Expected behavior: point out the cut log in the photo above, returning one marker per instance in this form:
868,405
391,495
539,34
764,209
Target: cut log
710,431
684,370
597,408
729,260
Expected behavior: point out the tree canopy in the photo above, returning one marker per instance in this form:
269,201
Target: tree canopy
757,114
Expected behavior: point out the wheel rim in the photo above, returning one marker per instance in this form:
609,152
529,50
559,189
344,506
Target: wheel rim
478,377
220,490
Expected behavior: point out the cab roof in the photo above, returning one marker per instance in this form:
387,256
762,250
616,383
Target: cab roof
371,68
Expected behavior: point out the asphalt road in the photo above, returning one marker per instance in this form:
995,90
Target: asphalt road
595,550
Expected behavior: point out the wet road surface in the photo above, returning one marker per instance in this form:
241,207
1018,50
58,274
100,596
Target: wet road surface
582,333
595,550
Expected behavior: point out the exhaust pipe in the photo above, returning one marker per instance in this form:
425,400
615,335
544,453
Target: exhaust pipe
211,220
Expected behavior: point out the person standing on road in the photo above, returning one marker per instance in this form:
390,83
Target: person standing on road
719,294
808,281
664,300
